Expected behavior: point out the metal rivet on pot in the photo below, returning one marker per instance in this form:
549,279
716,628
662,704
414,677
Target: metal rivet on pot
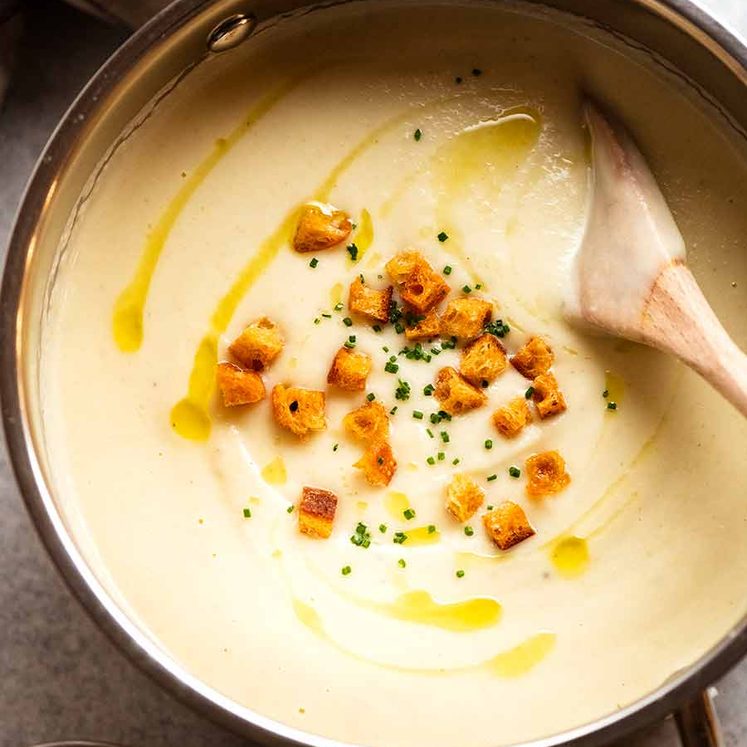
230,32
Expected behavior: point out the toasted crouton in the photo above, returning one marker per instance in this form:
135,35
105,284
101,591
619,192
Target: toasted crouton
511,418
465,317
547,395
299,410
321,227
368,301
533,358
368,423
483,360
546,474
463,497
507,525
378,463
426,328
455,393
237,386
349,370
316,512
258,345
419,285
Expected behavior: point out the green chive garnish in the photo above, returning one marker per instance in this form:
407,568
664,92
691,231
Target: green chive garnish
442,236
514,471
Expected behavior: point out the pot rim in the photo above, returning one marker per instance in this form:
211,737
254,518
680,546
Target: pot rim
105,612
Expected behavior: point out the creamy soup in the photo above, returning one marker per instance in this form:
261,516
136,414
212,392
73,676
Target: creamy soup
456,131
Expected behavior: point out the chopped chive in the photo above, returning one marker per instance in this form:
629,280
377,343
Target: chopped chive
460,573
441,456
382,528
442,236
346,569
314,262
391,368
317,320
492,477
529,393
347,321
385,349
498,328
380,460
488,443
362,537
456,461
247,513
399,538
436,351
612,405
466,289
290,509
445,437
417,414
606,393
429,432
478,286
514,471
393,411
335,447
431,461
417,135
350,342
338,306
469,531
490,507
428,390
431,528
399,328
401,563
352,251
447,270
370,396
409,513
326,315
376,328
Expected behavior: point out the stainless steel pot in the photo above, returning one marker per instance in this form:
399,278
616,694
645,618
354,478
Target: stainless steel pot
174,41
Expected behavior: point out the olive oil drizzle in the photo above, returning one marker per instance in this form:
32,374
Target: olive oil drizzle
127,317
510,663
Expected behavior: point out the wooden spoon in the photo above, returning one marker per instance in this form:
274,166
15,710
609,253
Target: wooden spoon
630,276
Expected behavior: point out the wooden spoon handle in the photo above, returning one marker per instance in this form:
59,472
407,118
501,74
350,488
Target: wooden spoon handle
677,318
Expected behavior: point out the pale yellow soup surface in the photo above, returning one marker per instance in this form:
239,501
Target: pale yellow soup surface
637,568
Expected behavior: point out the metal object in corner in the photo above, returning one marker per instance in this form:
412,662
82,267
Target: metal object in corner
698,724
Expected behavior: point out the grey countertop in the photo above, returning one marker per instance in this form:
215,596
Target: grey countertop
59,676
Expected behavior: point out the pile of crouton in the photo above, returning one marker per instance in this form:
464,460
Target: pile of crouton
464,320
